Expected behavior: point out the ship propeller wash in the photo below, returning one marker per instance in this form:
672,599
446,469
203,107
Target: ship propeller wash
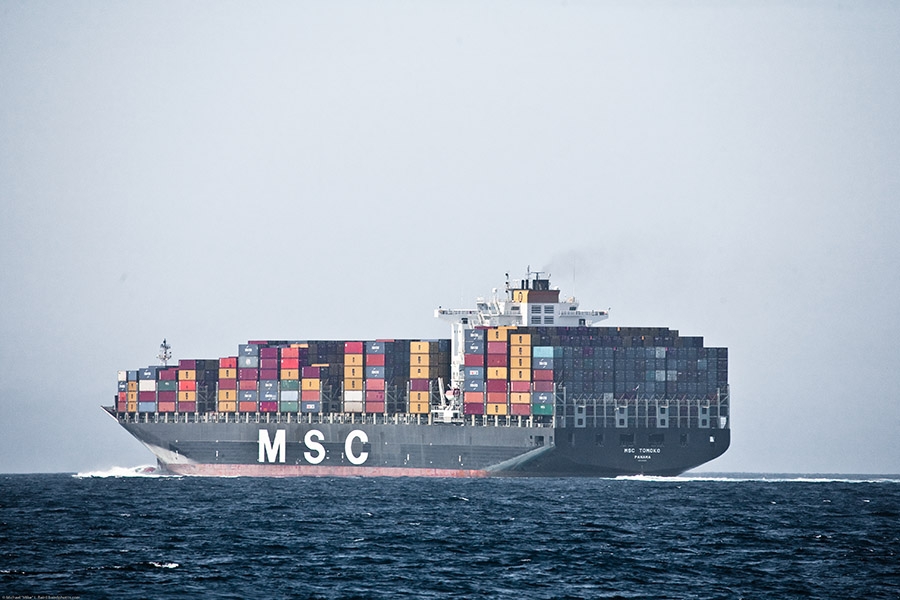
527,385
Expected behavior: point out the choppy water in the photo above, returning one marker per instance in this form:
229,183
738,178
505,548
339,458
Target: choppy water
158,537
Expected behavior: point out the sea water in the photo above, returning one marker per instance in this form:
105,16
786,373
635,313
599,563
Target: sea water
129,534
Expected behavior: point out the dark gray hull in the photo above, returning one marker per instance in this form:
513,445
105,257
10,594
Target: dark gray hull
409,449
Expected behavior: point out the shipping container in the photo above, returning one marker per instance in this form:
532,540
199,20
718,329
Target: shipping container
520,386
496,397
310,372
248,396
289,406
146,407
248,362
248,350
422,347
374,396
287,374
499,334
542,351
519,374
419,385
268,396
290,384
311,406
473,397
492,408
542,386
290,353
148,373
373,407
355,360
542,375
271,374
227,395
473,408
187,407
268,352
132,386
541,397
497,373
497,385
147,385
353,347
375,360
520,409
375,384
520,398
473,385
419,408
310,395
227,406
310,384
187,385
497,360
520,339
230,362
520,362
542,409
353,385
375,348
268,406
166,407
146,396
170,374
497,348
474,334
419,396
245,384
187,396
473,360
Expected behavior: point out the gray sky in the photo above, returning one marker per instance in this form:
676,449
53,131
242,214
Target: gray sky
218,172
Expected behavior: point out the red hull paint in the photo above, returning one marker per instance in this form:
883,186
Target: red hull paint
269,470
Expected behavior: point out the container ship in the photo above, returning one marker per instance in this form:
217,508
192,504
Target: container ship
527,385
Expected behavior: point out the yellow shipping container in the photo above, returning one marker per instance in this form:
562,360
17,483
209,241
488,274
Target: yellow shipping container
520,362
228,395
353,359
422,372
418,408
132,396
500,334
494,408
520,374
520,398
520,350
187,396
353,384
419,396
420,360
520,339
187,375
227,406
227,373
354,372
497,373
131,406
290,374
422,347
132,386
310,385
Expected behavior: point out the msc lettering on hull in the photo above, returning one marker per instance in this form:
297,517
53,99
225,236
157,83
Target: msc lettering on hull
274,450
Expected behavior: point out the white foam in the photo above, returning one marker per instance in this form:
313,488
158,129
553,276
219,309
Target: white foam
773,478
139,471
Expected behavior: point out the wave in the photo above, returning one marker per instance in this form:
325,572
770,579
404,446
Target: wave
139,471
766,478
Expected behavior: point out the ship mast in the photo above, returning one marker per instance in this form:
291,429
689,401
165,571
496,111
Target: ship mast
165,353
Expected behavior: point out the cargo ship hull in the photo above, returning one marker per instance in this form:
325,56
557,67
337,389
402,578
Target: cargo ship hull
422,450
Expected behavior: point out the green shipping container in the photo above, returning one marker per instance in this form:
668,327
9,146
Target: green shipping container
542,409
167,386
290,384
289,407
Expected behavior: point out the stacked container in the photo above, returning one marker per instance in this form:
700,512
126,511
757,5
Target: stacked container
228,384
167,391
473,374
354,375
422,366
376,373
519,374
311,388
497,371
289,379
247,380
542,376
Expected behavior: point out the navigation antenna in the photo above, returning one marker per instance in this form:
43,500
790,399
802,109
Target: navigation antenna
165,353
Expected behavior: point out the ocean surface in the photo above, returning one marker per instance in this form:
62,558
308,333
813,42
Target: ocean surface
120,534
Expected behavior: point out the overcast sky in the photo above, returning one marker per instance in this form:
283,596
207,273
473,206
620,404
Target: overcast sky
215,172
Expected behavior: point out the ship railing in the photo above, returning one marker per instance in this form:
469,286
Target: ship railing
645,411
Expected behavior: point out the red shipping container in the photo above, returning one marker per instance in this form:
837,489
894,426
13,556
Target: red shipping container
228,363
473,408
310,395
353,347
146,396
228,384
187,385
375,384
310,372
496,397
290,363
168,375
167,396
268,374
187,364
542,374
248,374
267,352
122,406
497,385
374,396
520,409
543,386
374,407
418,385
290,353
520,386
474,360
246,384
470,397
166,407
268,407
497,360
123,396
187,407
375,360
268,363
247,406
497,347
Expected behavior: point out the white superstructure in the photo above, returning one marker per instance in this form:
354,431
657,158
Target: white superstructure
532,304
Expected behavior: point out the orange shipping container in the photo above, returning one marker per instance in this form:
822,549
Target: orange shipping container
520,362
497,373
227,373
353,372
473,397
500,334
132,386
353,384
418,408
187,396
420,360
520,375
310,384
290,373
228,395
353,359
187,374
496,409
520,339
520,398
229,406
418,396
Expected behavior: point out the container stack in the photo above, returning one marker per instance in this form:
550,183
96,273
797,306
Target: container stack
289,379
420,372
248,380
497,383
520,374
473,375
167,390
542,375
376,374
146,389
228,384
311,388
354,374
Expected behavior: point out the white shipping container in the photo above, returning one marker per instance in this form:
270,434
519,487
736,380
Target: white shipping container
353,396
146,385
123,376
353,407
